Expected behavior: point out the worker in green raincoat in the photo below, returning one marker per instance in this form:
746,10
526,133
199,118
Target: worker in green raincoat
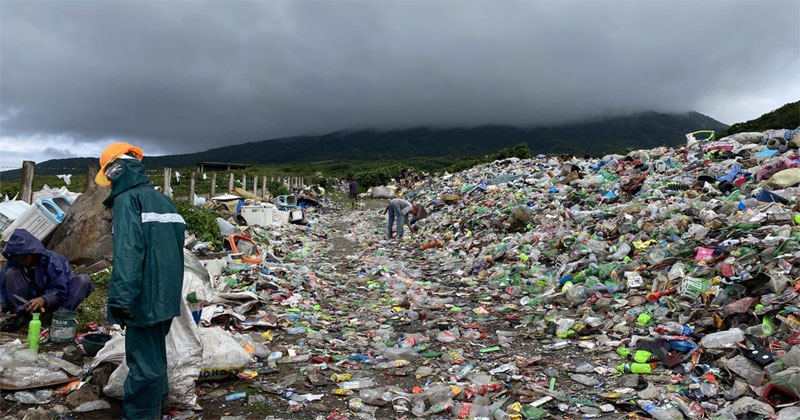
145,290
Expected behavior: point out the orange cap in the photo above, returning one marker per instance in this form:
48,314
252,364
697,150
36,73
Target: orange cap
110,154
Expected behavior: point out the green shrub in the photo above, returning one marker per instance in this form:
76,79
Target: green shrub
276,188
520,150
377,176
202,223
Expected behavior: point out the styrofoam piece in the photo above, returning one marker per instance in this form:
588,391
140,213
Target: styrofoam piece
10,211
257,215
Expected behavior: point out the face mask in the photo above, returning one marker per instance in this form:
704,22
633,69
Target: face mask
113,170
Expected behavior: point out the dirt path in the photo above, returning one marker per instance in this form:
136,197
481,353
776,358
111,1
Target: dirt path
360,270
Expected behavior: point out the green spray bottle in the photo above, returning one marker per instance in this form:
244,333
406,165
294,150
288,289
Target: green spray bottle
34,328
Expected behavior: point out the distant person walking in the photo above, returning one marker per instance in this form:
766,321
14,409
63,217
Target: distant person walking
353,186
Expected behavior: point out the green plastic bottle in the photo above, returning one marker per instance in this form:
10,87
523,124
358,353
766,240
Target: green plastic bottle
34,328
635,368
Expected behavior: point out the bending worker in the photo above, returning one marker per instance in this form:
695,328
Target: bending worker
145,290
36,279
399,209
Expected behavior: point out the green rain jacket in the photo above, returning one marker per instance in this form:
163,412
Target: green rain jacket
148,249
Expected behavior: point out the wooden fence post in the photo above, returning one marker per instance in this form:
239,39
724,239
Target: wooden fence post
168,182
191,188
244,182
26,183
230,183
255,185
91,172
264,186
213,184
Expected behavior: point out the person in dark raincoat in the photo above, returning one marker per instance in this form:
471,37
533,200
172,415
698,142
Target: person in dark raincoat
43,278
145,289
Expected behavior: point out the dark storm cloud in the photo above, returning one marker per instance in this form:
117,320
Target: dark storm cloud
185,76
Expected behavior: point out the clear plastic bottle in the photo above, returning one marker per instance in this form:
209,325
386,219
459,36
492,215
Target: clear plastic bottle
576,294
360,383
464,371
295,330
722,339
418,409
392,364
372,396
666,412
480,407
675,328
657,256
621,252
396,353
564,324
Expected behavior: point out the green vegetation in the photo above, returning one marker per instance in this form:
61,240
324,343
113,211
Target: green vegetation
521,151
10,187
93,308
202,223
787,116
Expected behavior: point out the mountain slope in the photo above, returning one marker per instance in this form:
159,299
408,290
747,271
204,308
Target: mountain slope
787,116
645,130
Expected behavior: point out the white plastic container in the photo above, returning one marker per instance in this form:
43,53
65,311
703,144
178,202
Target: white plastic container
257,215
40,219
296,215
282,217
10,211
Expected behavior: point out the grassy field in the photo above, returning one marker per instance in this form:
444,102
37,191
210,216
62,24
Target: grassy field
367,173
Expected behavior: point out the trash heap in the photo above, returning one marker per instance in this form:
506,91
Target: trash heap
659,284
661,281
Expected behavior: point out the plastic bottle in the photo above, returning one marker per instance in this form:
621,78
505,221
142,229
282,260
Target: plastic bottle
497,412
464,371
341,377
356,405
395,353
480,408
273,358
621,252
34,328
295,330
680,345
674,328
461,410
666,412
392,364
358,383
564,325
576,294
372,396
657,256
634,368
418,409
722,339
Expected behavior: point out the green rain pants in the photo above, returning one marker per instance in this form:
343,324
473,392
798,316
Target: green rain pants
146,384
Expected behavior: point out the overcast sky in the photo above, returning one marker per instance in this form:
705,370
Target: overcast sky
190,75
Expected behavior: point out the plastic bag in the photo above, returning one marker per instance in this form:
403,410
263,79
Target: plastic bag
785,178
222,354
184,356
382,192
41,396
